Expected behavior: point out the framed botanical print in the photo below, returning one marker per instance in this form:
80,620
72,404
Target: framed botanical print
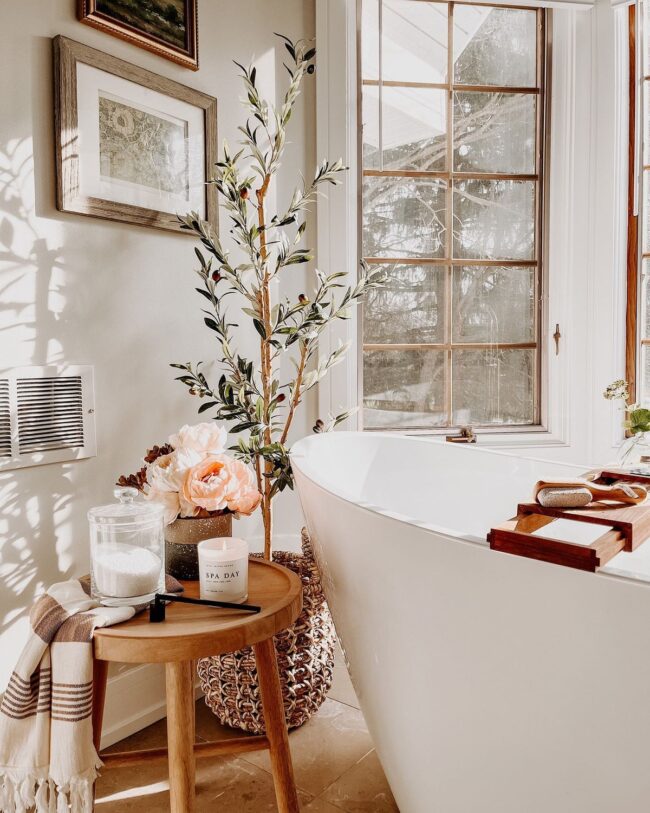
166,27
130,145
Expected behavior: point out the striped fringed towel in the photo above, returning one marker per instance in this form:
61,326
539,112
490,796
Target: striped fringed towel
47,757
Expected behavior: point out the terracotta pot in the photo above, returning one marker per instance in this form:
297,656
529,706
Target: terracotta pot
182,538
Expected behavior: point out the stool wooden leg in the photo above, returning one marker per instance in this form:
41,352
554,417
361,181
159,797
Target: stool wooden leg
276,727
193,666
100,676
180,731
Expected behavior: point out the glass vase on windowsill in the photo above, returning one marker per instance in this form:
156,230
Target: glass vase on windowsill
634,451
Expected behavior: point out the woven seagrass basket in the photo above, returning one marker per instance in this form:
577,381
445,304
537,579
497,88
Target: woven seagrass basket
305,660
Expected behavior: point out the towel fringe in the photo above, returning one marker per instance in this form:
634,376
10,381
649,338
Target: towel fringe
61,801
27,792
4,796
21,792
41,802
51,796
18,789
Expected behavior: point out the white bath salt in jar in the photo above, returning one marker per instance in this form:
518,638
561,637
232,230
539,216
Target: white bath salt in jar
127,550
223,569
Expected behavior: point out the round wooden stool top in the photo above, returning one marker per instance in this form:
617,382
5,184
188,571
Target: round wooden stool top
192,631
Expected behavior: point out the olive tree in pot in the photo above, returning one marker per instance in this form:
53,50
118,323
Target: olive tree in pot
249,392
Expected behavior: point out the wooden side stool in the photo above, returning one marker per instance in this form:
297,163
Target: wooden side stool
191,632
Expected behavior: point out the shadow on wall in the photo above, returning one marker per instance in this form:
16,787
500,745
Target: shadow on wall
24,254
118,297
31,272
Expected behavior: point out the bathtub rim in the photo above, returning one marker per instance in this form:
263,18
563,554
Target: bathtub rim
297,453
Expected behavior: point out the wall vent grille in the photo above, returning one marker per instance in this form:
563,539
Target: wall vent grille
5,420
46,416
50,413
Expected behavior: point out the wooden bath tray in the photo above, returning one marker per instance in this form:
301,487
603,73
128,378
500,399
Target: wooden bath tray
628,526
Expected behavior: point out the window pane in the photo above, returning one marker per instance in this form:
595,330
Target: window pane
370,39
495,46
493,386
408,309
494,219
414,124
370,128
645,300
645,236
645,375
494,132
414,41
403,217
403,388
413,128
493,305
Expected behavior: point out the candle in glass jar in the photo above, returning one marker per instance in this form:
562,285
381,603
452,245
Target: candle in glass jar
223,569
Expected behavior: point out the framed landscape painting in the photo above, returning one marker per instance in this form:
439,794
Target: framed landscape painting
166,27
130,145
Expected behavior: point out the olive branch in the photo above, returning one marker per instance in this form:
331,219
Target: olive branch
249,392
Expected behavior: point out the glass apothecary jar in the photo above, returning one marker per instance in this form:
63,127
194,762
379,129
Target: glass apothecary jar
127,550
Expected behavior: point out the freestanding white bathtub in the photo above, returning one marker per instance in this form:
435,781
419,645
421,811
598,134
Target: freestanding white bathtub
490,683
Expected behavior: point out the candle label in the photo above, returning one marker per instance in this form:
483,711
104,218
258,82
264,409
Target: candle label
227,581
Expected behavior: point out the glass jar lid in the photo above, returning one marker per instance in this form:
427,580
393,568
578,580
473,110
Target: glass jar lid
127,512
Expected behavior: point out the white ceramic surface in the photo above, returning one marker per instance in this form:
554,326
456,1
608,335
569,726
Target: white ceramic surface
490,683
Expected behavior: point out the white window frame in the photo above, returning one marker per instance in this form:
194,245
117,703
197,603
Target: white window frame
640,203
582,250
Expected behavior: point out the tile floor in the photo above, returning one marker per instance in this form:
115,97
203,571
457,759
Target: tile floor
335,765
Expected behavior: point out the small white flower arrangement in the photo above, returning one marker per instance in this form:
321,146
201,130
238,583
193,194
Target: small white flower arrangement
637,418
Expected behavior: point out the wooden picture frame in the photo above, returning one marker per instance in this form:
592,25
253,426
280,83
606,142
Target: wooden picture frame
130,145
123,23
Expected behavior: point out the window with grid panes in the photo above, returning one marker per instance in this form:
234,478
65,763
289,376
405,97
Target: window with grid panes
452,111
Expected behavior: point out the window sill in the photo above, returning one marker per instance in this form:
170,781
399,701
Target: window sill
523,441
535,439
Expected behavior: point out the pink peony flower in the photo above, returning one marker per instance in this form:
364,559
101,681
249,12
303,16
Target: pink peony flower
166,475
243,496
220,482
202,438
167,472
168,499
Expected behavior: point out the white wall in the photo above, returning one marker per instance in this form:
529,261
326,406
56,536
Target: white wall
81,290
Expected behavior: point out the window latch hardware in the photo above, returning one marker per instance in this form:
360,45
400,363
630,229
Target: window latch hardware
465,435
557,336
